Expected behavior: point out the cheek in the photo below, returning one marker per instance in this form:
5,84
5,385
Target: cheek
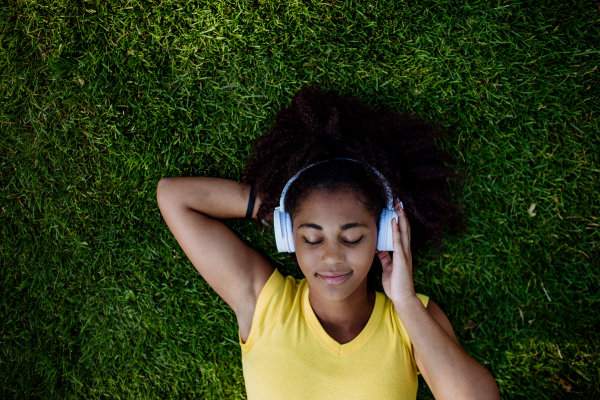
361,260
307,261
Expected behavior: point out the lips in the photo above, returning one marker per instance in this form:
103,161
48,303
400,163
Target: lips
334,278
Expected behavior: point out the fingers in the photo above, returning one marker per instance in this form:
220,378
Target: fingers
399,251
403,222
404,229
402,215
385,258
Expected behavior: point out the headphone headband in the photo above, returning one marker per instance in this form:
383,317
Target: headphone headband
282,220
390,203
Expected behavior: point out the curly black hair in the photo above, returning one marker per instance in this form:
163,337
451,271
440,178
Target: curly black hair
337,175
322,125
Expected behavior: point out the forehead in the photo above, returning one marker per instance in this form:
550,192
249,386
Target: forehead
336,207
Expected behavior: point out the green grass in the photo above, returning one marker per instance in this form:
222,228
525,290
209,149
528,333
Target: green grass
100,99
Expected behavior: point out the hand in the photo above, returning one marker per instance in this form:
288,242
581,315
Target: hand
397,273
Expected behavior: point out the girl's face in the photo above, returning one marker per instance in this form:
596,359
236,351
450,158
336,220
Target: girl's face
335,238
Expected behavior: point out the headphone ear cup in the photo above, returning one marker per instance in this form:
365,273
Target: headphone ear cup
280,230
289,234
385,239
382,230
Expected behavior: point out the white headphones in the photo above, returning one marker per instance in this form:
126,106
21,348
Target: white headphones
283,221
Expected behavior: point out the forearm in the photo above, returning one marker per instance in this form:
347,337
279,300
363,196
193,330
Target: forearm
451,372
215,197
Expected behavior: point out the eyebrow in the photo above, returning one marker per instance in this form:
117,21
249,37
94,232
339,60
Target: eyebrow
343,227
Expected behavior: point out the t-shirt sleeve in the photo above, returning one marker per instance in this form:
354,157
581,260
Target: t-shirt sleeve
267,309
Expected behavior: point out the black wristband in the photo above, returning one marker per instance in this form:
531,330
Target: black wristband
250,205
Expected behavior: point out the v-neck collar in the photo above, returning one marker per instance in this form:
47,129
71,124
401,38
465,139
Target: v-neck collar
330,344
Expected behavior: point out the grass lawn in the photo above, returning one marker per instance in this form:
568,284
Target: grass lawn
100,99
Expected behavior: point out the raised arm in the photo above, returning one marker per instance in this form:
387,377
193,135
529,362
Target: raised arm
193,208
450,372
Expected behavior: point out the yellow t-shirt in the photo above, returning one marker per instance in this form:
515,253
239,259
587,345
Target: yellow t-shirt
288,355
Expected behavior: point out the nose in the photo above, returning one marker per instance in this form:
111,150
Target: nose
333,254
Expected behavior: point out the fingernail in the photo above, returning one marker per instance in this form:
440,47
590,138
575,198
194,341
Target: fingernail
401,205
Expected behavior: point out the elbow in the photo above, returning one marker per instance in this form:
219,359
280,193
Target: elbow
490,392
493,392
484,388
163,191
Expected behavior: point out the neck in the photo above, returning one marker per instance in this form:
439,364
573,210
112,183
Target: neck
344,319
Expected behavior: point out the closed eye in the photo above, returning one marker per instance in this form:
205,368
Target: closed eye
311,243
343,241
352,243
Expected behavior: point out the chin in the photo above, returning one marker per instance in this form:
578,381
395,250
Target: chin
333,296
334,292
